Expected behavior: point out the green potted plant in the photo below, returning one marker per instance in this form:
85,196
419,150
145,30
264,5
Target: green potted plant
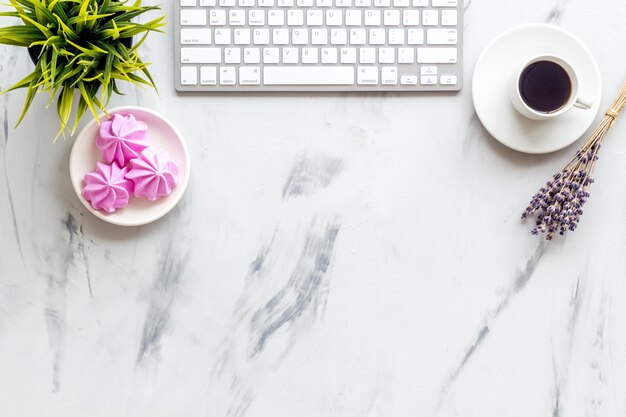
79,47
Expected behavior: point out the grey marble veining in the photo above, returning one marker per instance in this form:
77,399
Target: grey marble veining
335,255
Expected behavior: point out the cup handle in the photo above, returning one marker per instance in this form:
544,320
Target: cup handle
583,103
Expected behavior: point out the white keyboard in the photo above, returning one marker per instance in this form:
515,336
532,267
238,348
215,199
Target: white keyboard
318,45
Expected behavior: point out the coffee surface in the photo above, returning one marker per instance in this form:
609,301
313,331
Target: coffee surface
545,86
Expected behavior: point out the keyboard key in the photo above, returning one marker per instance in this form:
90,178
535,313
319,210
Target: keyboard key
270,55
441,36
428,70
319,36
406,55
334,18
195,36
193,17
436,55
382,3
420,3
290,55
428,80
387,56
357,36
226,3
400,3
222,36
237,17
396,36
309,75
256,17
392,17
415,36
300,36
314,17
200,55
353,18
444,3
363,3
377,36
266,3
249,75
372,18
343,3
305,3
448,80
410,17
348,55
408,80
280,36
389,75
329,55
228,76
309,55
217,17
261,36
189,75
430,17
187,3
367,75
367,55
295,17
324,3
276,17
208,75
208,3
338,36
232,55
242,36
285,3
252,55
246,3
448,18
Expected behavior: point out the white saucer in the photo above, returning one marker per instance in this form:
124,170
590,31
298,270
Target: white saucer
493,73
162,135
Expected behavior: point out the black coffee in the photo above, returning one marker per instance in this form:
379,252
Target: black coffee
545,86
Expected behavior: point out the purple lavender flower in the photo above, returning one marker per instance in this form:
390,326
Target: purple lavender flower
559,204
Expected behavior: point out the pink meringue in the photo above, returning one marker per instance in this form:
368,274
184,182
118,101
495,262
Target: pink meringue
107,188
122,138
153,174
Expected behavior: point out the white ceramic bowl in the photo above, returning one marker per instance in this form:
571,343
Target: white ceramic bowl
162,134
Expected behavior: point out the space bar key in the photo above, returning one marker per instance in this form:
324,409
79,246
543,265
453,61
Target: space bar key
308,75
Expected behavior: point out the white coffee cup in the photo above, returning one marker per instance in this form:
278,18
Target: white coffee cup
574,99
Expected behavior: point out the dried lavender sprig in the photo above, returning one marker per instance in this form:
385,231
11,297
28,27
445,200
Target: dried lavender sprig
559,204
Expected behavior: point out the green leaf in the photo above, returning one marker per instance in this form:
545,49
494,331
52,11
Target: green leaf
88,99
87,18
30,95
39,26
44,16
149,77
86,51
67,31
20,35
24,82
80,111
10,14
64,108
20,10
53,66
57,8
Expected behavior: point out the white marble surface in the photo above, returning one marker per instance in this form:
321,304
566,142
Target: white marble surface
335,255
